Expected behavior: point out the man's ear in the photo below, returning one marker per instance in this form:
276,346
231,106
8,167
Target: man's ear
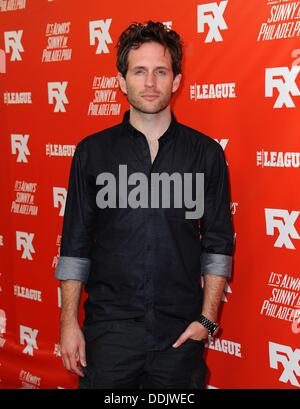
122,82
176,82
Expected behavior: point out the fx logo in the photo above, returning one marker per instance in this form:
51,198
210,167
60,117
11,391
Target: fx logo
99,31
227,290
28,337
284,79
168,24
12,41
284,222
57,92
57,352
233,207
2,322
223,143
59,199
19,146
24,240
2,62
59,304
212,15
289,359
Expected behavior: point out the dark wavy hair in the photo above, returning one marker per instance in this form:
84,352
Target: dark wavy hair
137,34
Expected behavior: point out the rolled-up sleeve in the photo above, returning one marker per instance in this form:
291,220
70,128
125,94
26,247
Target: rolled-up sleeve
217,236
78,224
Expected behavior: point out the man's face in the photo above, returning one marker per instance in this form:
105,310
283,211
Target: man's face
149,82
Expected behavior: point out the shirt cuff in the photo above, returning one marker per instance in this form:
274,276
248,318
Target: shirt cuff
73,268
217,264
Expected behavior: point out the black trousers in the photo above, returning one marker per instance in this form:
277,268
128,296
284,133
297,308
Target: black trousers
118,358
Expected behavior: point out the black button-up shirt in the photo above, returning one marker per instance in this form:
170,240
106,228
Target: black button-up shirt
145,261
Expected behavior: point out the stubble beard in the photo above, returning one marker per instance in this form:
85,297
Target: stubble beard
157,106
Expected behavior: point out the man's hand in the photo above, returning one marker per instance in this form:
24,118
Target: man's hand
72,346
194,331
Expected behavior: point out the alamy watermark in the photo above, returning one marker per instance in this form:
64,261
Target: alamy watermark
181,190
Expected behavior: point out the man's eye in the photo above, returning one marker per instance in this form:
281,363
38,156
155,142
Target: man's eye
139,71
162,72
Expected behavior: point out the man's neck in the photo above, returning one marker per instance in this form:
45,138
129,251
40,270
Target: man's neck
151,125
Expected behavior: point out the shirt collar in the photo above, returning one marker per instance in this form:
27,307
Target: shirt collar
133,132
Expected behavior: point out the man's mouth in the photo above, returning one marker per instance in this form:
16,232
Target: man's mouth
150,97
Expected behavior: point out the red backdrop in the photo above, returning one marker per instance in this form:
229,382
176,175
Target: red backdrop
241,86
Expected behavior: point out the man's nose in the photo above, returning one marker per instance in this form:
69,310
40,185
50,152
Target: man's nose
150,80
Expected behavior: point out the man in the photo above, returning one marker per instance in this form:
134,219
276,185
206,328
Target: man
146,315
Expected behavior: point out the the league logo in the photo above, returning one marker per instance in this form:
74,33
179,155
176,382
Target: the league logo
284,80
28,338
59,199
24,240
12,42
19,146
212,15
284,222
289,359
99,32
57,94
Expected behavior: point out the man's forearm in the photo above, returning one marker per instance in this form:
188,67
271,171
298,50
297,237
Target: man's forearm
70,293
213,291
